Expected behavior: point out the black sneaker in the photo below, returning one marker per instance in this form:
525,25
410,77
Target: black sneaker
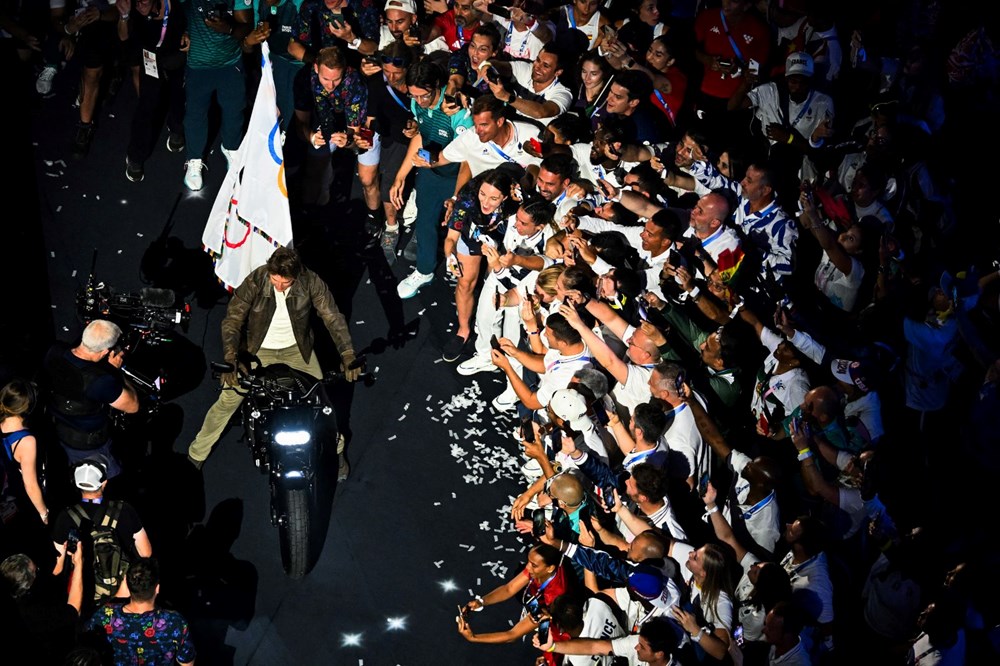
134,171
453,349
81,144
175,142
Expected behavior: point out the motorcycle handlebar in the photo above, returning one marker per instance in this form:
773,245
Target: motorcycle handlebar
248,381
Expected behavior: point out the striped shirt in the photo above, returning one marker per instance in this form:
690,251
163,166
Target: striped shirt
438,127
211,49
770,230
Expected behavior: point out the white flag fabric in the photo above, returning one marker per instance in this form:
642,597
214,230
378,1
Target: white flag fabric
250,217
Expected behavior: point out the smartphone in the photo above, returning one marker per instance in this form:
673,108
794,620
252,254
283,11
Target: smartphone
366,134
72,540
577,258
609,32
538,523
643,312
337,20
680,380
536,145
608,494
458,264
414,30
543,632
492,75
703,484
462,612
527,429
424,155
753,67
495,343
498,10
451,99
738,635
371,60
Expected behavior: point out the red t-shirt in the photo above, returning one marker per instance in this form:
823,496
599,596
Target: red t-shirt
751,36
453,36
671,104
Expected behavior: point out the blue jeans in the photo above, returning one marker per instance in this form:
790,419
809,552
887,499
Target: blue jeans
433,189
229,86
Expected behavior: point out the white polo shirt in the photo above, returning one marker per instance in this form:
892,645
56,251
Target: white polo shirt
555,92
485,156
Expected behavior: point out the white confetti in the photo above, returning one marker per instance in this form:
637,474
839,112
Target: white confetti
119,251
401,417
439,563
359,322
421,313
138,234
392,438
73,274
58,209
52,254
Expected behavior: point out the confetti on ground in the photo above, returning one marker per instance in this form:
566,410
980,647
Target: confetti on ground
138,234
73,274
58,209
119,251
421,313
359,322
439,563
52,254
392,438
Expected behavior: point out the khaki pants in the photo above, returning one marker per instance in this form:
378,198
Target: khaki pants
219,414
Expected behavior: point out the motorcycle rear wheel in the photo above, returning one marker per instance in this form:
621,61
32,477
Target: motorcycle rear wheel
295,530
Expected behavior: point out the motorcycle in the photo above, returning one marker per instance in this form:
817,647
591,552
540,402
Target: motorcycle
289,425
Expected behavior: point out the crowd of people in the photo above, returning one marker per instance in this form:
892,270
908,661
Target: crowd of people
745,318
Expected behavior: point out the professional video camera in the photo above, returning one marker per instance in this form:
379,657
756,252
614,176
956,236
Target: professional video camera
147,319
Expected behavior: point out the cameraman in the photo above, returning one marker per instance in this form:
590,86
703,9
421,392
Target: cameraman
84,381
273,306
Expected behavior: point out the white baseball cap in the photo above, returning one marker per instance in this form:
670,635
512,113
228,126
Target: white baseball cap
402,5
90,474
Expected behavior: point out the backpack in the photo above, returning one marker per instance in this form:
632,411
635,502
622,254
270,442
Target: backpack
109,562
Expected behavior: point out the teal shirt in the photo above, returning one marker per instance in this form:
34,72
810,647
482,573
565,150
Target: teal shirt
211,49
435,125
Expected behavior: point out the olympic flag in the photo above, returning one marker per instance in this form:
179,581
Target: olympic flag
250,217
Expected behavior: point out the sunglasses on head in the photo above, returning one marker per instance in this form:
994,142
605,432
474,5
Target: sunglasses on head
394,61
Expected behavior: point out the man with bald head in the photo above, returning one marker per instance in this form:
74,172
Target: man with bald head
708,226
823,413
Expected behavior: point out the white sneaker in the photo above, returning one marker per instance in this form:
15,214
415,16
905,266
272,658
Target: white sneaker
192,174
410,210
412,283
230,156
506,401
43,84
476,364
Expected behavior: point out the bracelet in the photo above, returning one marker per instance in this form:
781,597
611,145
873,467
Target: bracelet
482,604
124,17
714,509
701,632
66,30
791,137
805,454
552,648
694,293
532,332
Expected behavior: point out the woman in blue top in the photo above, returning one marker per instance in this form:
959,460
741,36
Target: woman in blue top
20,455
479,216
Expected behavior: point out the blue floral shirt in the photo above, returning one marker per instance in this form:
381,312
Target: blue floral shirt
156,638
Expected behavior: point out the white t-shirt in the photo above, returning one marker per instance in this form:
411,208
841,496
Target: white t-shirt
466,147
279,333
797,656
805,116
749,617
787,389
868,410
811,586
684,438
555,92
635,390
721,617
764,522
598,622
520,45
841,289
559,370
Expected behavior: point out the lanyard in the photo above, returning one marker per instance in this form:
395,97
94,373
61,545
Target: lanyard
678,409
804,109
732,42
569,15
749,513
461,35
500,152
795,572
523,48
714,237
666,107
163,26
395,96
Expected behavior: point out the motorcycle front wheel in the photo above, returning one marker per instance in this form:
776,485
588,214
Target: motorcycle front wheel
294,531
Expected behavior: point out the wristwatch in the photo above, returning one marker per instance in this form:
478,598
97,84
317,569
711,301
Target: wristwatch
354,43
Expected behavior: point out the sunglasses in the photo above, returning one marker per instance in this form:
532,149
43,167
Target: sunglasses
394,61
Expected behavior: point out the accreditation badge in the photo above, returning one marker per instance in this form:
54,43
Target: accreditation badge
149,63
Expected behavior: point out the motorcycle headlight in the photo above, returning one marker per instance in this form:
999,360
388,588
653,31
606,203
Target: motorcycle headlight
291,437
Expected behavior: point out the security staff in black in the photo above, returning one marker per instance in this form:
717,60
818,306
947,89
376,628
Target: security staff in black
84,382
